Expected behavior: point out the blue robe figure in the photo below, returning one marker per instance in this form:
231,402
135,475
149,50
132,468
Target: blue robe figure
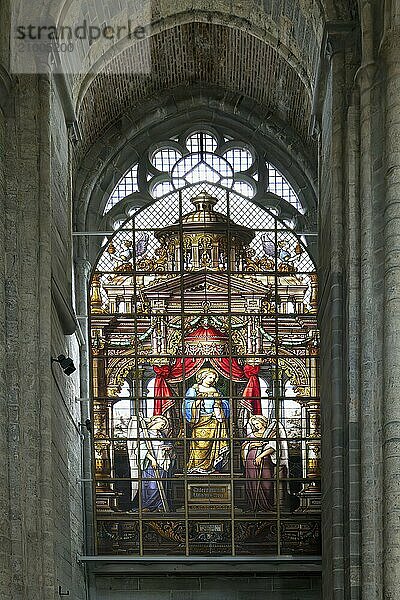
154,457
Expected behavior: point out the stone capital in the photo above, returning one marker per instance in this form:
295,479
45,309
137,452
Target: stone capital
66,99
389,48
84,266
336,37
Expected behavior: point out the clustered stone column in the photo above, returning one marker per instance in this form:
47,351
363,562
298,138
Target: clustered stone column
391,359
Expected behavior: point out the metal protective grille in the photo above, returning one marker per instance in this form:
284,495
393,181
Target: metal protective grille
128,185
206,437
278,185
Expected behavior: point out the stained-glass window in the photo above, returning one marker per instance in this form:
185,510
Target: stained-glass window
205,376
279,186
128,185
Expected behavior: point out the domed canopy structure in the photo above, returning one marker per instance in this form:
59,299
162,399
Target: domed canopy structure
205,235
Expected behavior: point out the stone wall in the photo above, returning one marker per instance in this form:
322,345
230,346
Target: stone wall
213,587
41,506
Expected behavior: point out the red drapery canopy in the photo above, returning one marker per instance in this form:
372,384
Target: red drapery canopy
227,367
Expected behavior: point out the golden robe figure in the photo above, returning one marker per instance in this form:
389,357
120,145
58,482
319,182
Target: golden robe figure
207,414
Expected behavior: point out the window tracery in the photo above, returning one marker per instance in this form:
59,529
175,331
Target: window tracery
198,157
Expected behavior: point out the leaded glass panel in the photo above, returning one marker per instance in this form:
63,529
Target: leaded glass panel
205,381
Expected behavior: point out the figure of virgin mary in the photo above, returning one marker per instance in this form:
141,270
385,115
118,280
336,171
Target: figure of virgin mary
207,414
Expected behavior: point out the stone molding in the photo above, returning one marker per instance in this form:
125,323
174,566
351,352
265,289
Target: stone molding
6,84
116,153
65,96
335,37
64,309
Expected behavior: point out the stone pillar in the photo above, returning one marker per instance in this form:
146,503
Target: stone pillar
352,248
28,332
41,445
331,324
391,360
369,290
338,73
5,546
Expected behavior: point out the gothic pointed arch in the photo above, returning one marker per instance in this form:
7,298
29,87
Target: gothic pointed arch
205,357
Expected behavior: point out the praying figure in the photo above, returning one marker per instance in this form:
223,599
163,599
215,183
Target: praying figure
265,458
151,456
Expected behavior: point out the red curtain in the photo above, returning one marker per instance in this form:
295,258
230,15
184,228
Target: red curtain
229,368
163,397
252,393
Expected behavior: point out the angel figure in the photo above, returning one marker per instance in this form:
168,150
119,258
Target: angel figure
129,253
283,252
265,458
153,457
